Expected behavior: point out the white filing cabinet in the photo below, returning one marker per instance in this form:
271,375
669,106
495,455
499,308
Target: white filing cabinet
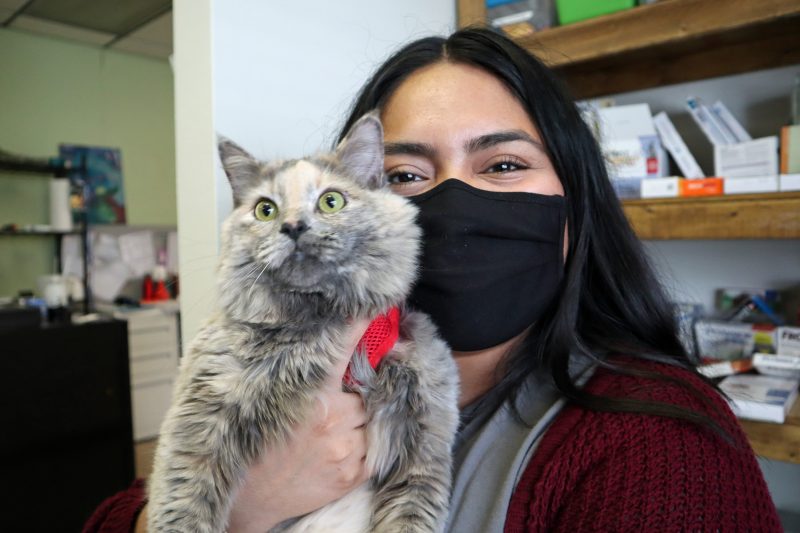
153,352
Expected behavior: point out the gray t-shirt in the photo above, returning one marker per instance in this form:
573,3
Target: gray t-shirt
491,454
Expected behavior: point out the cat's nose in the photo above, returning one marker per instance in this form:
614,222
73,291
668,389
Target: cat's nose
294,230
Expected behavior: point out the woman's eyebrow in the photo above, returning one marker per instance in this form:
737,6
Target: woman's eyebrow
409,148
491,139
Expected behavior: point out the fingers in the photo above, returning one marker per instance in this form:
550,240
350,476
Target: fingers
351,467
355,331
340,409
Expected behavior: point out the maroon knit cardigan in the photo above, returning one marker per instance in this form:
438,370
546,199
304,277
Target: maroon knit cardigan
609,472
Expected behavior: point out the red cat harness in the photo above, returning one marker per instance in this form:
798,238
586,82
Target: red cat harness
379,338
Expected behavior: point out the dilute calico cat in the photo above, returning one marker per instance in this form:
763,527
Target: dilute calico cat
310,243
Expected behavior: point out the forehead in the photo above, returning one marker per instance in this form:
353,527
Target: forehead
447,100
292,180
301,170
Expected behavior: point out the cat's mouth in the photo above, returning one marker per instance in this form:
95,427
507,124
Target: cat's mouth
303,269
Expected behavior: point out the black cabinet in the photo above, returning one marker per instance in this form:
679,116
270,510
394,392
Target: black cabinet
66,435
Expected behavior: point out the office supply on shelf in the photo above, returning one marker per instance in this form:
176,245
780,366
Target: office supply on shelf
789,340
631,147
758,157
718,369
676,147
756,184
701,187
60,212
707,123
728,121
718,340
764,398
789,182
661,187
778,365
570,11
60,169
790,149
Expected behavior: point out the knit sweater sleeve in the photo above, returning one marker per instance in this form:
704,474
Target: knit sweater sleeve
118,513
630,472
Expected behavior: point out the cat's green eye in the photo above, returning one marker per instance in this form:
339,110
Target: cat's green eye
331,202
266,210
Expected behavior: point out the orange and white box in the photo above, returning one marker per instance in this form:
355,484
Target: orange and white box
702,187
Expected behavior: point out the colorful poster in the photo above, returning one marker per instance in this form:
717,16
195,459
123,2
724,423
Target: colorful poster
96,177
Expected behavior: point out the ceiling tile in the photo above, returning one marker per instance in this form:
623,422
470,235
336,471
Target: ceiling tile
154,39
147,48
11,5
4,14
110,16
54,29
159,30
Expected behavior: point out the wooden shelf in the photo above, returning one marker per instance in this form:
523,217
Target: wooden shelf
669,42
29,233
746,216
776,441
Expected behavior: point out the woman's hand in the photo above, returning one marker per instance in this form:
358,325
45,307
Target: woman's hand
323,460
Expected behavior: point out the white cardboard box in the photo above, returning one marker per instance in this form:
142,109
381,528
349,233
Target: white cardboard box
789,340
750,185
789,182
660,187
724,340
677,148
765,398
743,160
630,142
778,365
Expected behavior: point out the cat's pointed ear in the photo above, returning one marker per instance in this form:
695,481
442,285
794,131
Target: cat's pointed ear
242,169
361,152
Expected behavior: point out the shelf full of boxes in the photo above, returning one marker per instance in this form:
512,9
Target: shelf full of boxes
665,43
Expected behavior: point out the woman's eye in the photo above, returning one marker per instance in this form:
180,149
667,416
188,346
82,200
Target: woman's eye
505,166
403,177
331,202
266,210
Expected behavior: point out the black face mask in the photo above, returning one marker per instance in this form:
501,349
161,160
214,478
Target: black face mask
491,261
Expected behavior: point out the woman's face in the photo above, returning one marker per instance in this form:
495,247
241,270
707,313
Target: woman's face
454,121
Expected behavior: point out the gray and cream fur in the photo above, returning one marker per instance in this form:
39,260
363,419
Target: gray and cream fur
292,272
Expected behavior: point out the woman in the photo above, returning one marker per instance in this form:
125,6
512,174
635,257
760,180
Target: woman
580,411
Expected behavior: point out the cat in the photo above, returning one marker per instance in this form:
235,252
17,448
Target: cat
309,244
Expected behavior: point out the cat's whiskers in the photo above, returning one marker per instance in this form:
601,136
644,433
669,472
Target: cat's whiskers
253,286
238,277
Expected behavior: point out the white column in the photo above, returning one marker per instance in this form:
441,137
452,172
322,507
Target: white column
198,214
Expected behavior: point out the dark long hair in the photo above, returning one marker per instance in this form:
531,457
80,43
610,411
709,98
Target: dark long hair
610,301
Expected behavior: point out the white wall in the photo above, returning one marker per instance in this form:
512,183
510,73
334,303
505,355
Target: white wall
282,75
198,214
692,270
